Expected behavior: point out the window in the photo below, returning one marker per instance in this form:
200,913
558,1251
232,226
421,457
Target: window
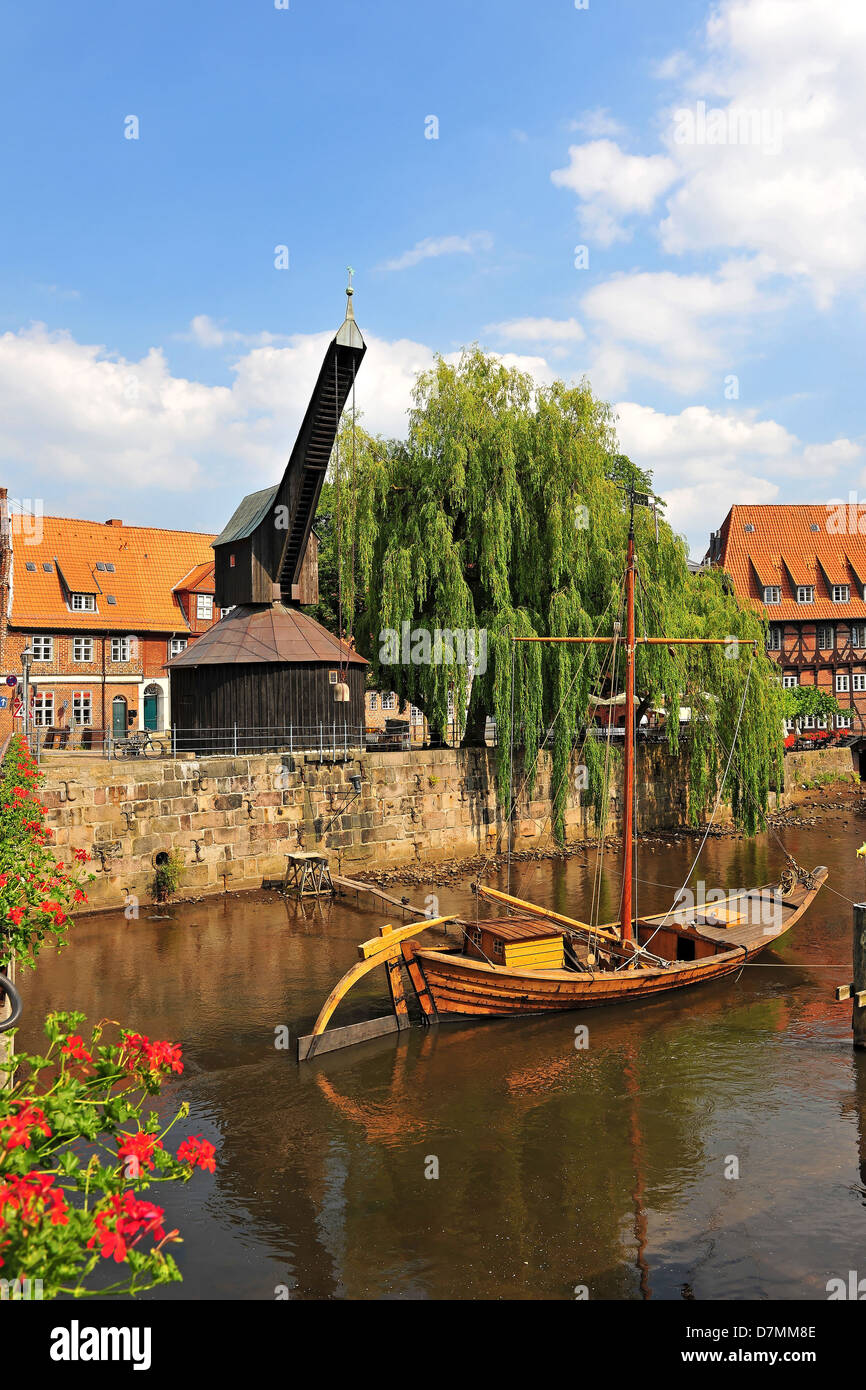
812,722
824,639
790,726
841,593
842,680
814,526
82,649
43,648
333,677
805,593
100,565
81,707
231,562
373,702
110,567
858,682
43,707
772,593
844,721
48,567
176,646
30,566
389,701
774,639
748,527
498,951
417,716
109,598
858,637
204,606
789,680
120,648
82,603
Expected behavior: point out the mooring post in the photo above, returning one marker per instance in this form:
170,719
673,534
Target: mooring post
858,991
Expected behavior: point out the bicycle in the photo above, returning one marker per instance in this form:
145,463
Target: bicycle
140,745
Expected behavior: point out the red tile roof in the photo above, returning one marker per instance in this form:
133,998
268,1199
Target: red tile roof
792,544
148,563
199,580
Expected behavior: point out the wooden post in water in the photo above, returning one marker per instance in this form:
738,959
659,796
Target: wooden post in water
858,991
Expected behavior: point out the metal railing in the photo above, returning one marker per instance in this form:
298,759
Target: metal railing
327,740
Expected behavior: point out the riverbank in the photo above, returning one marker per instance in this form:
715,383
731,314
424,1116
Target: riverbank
423,815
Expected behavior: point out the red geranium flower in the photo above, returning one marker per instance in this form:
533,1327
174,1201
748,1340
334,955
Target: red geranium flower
198,1152
74,1047
18,1126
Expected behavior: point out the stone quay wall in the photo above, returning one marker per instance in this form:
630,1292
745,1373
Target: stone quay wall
233,820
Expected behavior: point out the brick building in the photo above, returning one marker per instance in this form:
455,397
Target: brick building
804,570
103,606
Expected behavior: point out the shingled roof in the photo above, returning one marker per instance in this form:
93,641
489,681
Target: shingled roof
264,634
793,544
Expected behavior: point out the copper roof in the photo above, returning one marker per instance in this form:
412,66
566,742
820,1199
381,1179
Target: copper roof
265,633
790,545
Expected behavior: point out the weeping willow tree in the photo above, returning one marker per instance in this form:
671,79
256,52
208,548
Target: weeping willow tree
502,515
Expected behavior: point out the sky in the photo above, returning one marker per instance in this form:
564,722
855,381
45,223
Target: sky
669,199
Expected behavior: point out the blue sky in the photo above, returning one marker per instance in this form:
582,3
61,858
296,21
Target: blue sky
154,363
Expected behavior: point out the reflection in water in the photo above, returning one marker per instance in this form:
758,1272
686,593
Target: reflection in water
558,1166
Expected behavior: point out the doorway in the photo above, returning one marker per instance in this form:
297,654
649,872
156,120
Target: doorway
118,717
151,708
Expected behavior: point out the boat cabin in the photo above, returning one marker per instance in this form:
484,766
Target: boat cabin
518,941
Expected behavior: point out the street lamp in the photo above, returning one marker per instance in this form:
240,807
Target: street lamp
26,657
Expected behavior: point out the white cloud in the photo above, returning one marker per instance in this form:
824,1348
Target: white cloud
205,333
679,330
704,460
612,184
537,330
432,247
775,166
597,123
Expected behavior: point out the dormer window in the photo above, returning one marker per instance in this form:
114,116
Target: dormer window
841,593
805,593
82,603
204,606
772,593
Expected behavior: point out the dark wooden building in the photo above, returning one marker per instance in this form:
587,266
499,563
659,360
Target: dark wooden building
267,674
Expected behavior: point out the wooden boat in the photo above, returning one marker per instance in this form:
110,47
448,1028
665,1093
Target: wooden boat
534,961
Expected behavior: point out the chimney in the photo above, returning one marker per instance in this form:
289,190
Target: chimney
114,522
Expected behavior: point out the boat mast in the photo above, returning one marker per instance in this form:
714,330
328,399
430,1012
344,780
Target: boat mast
628,765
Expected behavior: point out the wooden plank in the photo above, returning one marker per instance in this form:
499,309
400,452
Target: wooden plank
394,976
376,945
546,912
316,1044
419,984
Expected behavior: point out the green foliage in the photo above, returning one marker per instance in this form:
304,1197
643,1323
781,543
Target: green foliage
501,514
802,701
168,877
76,1152
37,892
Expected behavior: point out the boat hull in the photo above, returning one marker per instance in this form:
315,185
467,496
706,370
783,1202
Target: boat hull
461,986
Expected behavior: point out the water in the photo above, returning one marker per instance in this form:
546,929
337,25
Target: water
558,1167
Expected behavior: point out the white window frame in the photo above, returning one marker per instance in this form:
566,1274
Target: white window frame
79,646
82,708
389,701
805,593
790,681
772,594
204,606
82,603
790,726
372,701
844,721
857,635
43,647
43,708
176,645
416,716
120,650
842,683
774,639
821,646
841,593
858,681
